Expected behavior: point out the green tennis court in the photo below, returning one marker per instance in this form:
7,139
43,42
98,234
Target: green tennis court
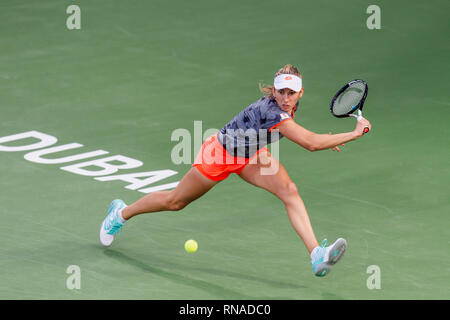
138,70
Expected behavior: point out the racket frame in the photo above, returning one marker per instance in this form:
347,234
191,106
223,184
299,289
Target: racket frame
359,106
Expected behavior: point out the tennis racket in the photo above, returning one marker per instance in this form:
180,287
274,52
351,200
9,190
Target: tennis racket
348,99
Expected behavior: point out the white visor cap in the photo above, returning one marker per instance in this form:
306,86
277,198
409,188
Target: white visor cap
288,81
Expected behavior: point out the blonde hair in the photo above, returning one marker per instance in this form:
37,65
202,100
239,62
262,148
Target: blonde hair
266,89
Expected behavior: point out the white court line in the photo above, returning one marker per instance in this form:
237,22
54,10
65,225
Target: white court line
352,199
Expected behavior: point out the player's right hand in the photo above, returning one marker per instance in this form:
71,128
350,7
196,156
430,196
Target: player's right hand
360,125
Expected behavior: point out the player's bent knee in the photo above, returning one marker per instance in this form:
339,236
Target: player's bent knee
288,191
176,205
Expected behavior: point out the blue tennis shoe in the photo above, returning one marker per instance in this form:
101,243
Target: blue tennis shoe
323,258
112,222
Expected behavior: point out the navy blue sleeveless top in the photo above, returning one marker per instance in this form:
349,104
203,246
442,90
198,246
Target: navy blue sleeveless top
254,127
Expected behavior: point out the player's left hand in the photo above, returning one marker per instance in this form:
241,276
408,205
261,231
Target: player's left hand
336,148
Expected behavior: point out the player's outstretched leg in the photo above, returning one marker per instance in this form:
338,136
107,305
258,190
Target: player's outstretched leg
192,186
278,182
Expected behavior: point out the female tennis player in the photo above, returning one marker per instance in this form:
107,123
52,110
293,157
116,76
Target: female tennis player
240,147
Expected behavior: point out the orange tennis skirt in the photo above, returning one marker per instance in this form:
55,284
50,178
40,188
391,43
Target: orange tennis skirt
215,163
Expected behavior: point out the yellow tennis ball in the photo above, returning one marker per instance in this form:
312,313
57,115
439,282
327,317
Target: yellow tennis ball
191,246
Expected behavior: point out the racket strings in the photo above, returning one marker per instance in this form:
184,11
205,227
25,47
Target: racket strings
349,99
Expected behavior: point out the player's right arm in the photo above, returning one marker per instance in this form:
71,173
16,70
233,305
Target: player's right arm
314,141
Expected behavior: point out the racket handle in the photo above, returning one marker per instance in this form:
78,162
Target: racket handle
359,116
366,129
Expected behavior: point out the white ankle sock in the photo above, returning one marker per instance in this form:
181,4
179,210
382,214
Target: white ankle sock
120,217
313,253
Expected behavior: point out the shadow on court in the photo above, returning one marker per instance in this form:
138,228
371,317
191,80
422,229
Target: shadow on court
218,291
